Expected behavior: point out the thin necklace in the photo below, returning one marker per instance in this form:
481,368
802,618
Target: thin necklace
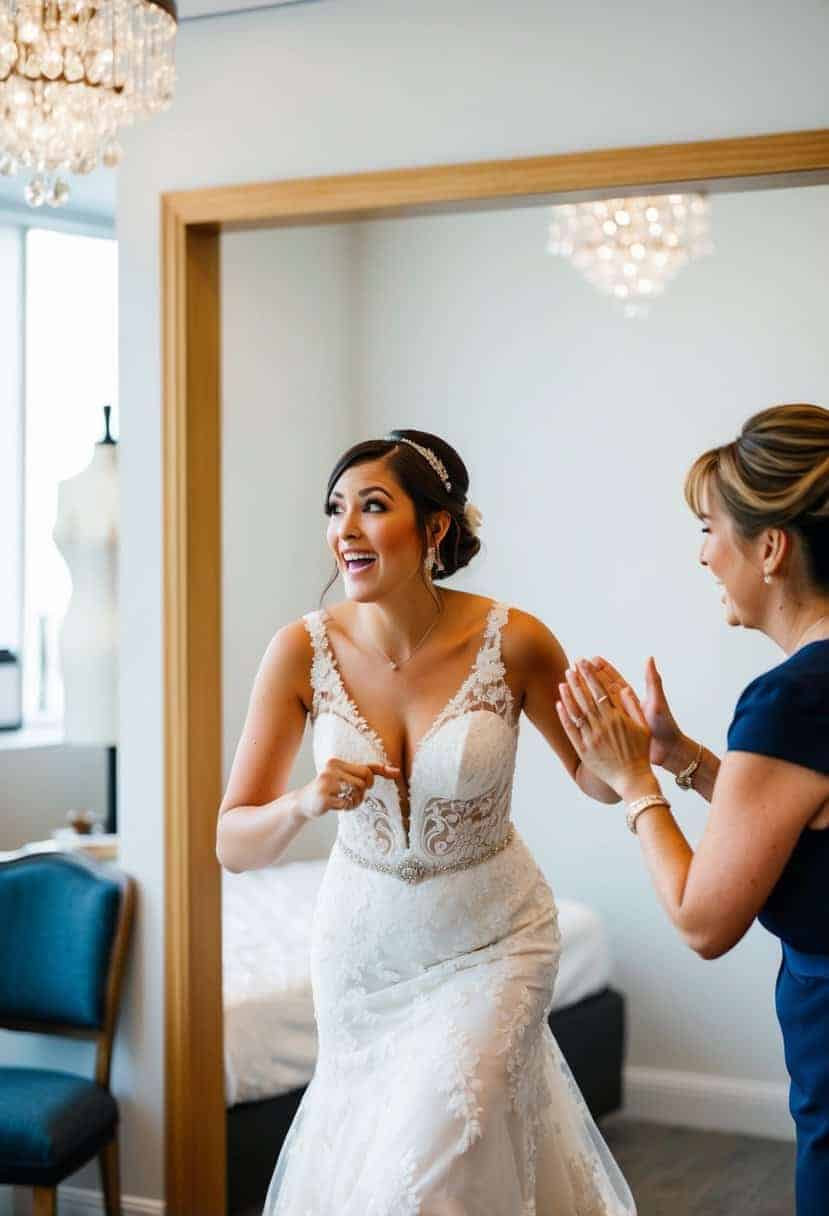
809,628
396,664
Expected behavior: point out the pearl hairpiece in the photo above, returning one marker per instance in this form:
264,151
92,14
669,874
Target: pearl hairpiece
427,454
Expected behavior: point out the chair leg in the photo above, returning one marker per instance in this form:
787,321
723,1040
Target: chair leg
45,1201
110,1178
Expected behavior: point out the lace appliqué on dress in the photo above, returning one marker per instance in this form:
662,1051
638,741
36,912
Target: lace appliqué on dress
373,820
455,832
329,694
486,686
463,829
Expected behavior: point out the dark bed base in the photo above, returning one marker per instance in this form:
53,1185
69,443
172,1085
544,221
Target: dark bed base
591,1035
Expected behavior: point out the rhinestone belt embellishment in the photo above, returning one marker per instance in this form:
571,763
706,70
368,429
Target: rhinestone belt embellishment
412,870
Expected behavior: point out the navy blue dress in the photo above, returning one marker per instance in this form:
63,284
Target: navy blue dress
785,714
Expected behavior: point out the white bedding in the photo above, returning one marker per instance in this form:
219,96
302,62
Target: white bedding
269,1032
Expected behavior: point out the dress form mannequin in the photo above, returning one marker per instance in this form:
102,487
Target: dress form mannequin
86,534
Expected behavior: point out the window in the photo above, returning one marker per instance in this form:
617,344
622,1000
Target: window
11,440
67,311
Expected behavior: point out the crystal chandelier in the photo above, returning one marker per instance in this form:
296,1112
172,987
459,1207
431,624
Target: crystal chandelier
72,73
631,247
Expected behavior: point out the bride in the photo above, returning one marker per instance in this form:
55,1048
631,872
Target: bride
439,1089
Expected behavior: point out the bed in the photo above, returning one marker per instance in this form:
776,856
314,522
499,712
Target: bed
269,1031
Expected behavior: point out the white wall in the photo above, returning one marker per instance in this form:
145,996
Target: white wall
348,85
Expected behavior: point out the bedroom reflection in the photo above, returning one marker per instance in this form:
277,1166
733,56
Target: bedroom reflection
577,423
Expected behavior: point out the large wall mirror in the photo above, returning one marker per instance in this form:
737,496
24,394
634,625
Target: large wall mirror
577,412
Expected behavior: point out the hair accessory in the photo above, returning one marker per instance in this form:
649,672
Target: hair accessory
428,455
473,518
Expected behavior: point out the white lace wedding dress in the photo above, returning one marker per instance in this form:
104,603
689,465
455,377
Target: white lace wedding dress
439,1089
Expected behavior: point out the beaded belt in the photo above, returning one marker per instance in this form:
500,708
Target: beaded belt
413,870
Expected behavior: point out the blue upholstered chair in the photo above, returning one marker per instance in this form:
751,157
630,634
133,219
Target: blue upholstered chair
64,928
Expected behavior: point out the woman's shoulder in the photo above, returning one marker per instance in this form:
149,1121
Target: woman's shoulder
290,650
784,713
800,681
285,667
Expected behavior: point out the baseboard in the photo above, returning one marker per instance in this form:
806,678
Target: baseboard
79,1201
713,1103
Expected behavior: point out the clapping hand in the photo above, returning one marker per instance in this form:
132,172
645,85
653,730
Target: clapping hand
666,735
606,725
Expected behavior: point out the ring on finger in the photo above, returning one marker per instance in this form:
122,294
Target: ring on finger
345,792
603,697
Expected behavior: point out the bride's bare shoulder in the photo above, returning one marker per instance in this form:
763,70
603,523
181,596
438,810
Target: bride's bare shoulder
529,644
290,642
287,659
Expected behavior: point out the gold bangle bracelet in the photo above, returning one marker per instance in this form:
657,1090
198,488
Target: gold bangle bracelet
635,809
685,779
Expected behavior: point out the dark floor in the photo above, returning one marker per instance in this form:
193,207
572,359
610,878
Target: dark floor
675,1171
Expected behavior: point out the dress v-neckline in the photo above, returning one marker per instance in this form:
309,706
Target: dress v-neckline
375,738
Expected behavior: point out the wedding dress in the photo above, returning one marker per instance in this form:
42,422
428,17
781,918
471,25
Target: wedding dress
439,1089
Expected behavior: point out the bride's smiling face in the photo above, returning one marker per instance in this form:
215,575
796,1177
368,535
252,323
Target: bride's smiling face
373,531
735,563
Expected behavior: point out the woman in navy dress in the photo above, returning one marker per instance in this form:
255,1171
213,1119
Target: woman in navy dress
764,504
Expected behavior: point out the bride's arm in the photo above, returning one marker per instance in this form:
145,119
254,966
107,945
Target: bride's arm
259,816
533,654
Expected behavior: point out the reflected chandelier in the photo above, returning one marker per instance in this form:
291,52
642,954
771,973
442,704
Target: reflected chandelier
72,73
629,248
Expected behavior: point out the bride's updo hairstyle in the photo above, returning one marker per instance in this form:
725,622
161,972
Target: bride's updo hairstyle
774,475
425,486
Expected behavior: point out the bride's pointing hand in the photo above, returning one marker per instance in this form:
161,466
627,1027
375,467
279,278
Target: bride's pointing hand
606,727
341,786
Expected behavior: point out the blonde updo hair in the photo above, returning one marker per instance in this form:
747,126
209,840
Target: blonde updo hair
774,475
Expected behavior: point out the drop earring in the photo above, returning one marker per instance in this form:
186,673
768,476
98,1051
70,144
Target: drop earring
768,578
429,562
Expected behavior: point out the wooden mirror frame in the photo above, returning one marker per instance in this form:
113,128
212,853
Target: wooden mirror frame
192,223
